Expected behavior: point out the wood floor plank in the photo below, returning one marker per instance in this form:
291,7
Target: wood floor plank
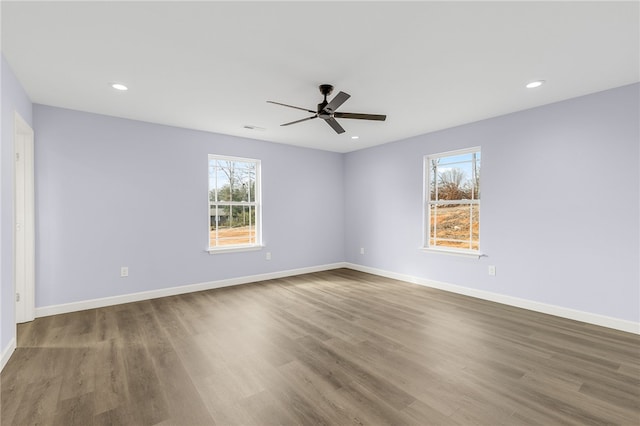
336,347
110,377
38,403
121,415
369,408
377,384
78,410
80,377
320,392
184,404
144,386
418,411
265,408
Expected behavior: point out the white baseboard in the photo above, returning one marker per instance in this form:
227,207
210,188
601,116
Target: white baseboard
559,311
7,352
172,291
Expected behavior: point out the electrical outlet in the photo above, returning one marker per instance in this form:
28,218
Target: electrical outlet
492,270
361,250
124,271
268,256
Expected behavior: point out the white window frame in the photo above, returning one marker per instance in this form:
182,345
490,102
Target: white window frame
257,205
427,203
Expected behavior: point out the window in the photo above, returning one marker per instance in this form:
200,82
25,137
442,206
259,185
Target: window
452,201
234,203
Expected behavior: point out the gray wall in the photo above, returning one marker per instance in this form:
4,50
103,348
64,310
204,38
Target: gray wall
14,99
560,205
112,192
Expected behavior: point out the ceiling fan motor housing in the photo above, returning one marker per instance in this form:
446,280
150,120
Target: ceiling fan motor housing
326,89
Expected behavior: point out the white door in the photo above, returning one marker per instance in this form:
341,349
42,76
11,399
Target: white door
24,231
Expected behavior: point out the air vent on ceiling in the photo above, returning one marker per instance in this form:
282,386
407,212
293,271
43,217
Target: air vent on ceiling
250,127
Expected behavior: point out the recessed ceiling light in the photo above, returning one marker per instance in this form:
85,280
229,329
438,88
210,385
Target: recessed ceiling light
535,84
119,86
355,137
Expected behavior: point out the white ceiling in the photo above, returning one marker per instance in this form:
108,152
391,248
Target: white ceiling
212,65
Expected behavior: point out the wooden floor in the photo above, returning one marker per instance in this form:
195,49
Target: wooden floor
337,347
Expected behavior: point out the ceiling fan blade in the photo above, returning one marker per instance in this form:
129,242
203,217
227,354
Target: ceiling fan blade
299,121
359,116
338,100
335,125
291,106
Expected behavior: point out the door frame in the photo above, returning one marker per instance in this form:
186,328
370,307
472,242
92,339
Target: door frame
24,221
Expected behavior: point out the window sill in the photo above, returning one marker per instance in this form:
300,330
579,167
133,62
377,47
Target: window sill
463,253
236,249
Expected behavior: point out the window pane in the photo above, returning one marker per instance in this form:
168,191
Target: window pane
475,227
242,216
239,228
235,237
455,159
476,178
434,224
219,217
223,185
433,179
454,226
250,185
244,185
234,180
452,184
212,180
243,165
455,177
237,188
235,225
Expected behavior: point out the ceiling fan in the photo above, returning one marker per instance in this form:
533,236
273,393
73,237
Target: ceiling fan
327,110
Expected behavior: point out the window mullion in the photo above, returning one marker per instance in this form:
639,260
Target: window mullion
435,224
217,212
470,226
435,207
